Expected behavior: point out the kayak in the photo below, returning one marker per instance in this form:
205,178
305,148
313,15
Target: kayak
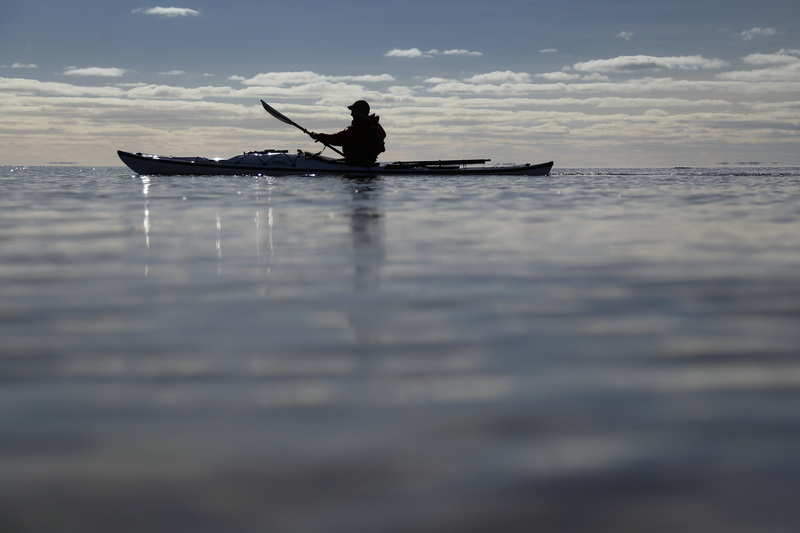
283,163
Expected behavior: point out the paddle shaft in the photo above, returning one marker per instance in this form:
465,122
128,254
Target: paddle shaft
286,120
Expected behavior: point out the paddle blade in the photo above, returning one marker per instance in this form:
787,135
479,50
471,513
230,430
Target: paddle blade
269,109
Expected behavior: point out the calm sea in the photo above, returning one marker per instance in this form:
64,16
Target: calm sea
593,351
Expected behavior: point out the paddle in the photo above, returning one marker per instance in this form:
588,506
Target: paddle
287,120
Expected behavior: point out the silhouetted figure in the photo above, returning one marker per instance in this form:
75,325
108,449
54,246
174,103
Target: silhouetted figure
362,140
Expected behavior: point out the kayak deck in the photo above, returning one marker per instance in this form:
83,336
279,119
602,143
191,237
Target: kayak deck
282,163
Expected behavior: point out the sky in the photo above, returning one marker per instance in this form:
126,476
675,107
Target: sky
586,83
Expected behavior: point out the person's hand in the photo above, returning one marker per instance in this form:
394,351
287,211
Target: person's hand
314,136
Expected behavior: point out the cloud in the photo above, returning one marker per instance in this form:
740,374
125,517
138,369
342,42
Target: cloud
642,62
173,73
436,80
496,77
167,92
782,66
412,53
627,35
595,76
548,51
781,57
558,76
747,83
460,52
24,86
169,12
280,79
749,35
24,65
493,109
95,71
779,73
367,78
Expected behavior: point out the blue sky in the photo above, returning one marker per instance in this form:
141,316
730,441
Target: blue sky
586,83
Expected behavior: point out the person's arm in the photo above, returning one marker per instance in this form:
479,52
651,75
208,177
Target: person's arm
334,139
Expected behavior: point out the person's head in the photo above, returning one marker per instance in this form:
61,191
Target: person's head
359,109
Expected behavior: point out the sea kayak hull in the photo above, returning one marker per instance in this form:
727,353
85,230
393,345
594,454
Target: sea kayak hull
282,163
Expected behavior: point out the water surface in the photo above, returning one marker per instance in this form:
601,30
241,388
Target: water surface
597,350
